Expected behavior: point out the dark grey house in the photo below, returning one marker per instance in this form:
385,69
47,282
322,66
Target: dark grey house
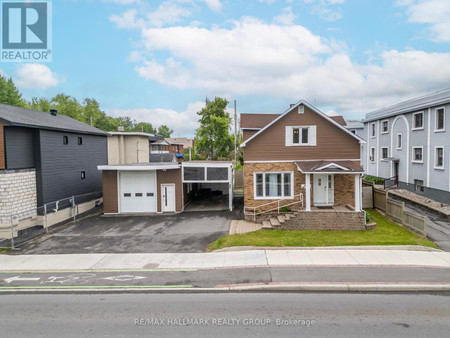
58,154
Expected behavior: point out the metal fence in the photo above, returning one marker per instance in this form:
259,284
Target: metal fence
48,215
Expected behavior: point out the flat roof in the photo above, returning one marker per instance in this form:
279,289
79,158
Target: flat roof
141,166
131,133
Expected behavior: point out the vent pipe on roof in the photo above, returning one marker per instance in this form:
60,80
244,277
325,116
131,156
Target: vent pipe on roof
120,128
291,105
54,112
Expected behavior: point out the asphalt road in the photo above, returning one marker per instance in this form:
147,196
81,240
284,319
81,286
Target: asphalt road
225,315
76,280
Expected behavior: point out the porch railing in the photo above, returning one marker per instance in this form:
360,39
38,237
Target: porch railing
255,211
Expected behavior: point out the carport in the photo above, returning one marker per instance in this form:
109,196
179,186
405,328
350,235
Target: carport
208,185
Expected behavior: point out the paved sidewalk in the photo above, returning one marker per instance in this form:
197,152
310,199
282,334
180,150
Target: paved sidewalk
339,257
242,227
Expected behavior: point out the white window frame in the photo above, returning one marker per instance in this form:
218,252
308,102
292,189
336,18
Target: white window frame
387,130
373,130
416,185
413,159
414,121
282,197
436,130
381,154
372,157
435,158
401,141
312,136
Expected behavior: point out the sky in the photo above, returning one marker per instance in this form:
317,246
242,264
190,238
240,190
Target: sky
157,61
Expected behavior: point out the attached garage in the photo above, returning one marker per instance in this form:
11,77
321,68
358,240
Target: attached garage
167,187
137,191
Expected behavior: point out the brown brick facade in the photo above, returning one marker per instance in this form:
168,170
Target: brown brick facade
344,185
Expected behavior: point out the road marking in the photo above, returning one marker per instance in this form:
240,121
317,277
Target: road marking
124,278
17,278
99,287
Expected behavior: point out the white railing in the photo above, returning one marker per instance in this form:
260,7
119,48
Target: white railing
254,211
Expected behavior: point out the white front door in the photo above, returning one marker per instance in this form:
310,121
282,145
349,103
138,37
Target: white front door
137,191
168,197
323,189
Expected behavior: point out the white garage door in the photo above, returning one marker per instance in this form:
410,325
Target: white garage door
138,191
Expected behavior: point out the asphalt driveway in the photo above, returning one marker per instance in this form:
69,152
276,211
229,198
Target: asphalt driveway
184,232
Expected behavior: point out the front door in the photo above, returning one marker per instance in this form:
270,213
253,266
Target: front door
168,197
323,189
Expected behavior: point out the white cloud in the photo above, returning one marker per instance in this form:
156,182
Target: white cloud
36,76
183,123
214,5
434,13
267,1
256,58
286,17
123,2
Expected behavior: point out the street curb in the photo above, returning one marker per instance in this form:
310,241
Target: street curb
276,287
362,247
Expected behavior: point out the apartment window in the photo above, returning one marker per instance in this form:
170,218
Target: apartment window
418,185
418,154
384,153
65,139
385,127
80,141
439,158
418,120
372,154
273,185
301,136
372,130
440,119
83,175
399,141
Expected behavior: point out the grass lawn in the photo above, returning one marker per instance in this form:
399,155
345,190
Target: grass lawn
385,233
3,249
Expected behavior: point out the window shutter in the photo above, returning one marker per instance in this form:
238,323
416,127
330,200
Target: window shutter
288,136
312,136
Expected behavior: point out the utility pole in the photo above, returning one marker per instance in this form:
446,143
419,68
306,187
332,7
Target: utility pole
235,134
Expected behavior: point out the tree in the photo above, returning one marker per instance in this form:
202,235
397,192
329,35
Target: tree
212,138
165,131
40,104
9,94
67,105
144,127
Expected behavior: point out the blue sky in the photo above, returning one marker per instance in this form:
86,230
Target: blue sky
156,61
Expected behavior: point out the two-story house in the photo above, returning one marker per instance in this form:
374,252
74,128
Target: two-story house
46,157
303,155
409,143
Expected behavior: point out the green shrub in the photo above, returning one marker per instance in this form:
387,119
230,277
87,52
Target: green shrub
377,180
284,209
368,219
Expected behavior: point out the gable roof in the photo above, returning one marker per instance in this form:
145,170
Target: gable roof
418,103
310,167
256,121
339,119
314,109
22,117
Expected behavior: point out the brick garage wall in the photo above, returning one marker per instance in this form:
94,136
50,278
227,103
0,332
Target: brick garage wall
251,168
18,193
344,189
326,220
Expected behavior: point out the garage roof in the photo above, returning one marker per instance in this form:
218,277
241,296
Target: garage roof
141,166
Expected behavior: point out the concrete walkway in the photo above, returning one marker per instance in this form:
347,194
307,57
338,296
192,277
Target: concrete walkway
337,257
242,227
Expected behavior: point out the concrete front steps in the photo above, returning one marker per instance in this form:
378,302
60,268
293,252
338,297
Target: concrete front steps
276,221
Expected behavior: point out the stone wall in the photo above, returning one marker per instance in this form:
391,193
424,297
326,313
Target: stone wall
18,193
326,220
